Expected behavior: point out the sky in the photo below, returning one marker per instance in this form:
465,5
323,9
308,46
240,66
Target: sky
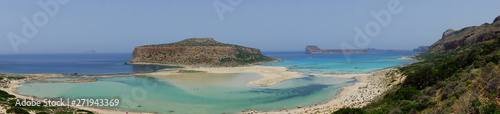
117,26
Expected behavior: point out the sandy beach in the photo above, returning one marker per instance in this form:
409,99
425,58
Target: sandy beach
270,74
369,85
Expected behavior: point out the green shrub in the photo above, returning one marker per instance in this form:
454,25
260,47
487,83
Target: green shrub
88,112
16,78
17,110
491,64
467,83
4,96
350,111
405,93
491,109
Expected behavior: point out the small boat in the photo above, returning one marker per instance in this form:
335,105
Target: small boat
356,67
171,111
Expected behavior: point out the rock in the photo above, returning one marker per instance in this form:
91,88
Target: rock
469,35
496,19
311,49
198,52
448,33
421,49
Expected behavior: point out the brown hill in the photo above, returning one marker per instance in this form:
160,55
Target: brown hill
198,52
452,39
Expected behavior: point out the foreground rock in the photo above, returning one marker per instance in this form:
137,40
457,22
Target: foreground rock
198,52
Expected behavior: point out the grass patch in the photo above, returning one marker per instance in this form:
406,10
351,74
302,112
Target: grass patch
86,111
16,78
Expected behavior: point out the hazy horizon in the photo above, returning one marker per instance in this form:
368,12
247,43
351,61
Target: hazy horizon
119,26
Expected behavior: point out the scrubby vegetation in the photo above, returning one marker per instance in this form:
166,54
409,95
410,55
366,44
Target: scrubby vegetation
464,80
199,52
190,71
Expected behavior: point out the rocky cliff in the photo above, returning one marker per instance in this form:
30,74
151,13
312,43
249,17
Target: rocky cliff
198,52
452,39
315,49
421,48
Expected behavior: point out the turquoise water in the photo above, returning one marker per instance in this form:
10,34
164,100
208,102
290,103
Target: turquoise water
228,95
338,63
202,92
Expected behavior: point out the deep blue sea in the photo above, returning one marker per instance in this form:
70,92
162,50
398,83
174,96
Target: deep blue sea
88,64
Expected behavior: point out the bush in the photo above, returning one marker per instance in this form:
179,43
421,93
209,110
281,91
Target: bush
405,93
491,109
491,64
86,111
42,113
4,95
17,110
349,111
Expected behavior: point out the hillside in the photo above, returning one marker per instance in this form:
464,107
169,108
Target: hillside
458,74
452,39
198,52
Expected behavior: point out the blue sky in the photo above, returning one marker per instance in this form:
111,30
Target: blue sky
117,26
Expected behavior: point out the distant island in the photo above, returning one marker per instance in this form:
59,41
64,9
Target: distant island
198,52
311,49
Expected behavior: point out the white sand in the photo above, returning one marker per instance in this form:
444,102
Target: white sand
271,74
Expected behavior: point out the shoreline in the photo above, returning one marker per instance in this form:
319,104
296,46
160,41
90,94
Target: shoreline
14,84
368,86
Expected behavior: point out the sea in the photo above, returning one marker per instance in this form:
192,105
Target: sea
198,92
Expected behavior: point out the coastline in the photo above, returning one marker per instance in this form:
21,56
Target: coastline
14,84
368,87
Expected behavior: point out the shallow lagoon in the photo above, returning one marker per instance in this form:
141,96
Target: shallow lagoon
340,63
185,94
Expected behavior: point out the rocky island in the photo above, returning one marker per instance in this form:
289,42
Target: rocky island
315,49
198,52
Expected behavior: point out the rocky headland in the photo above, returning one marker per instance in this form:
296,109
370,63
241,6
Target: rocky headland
452,39
198,52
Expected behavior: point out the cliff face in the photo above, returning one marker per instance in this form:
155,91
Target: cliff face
198,52
470,35
315,49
